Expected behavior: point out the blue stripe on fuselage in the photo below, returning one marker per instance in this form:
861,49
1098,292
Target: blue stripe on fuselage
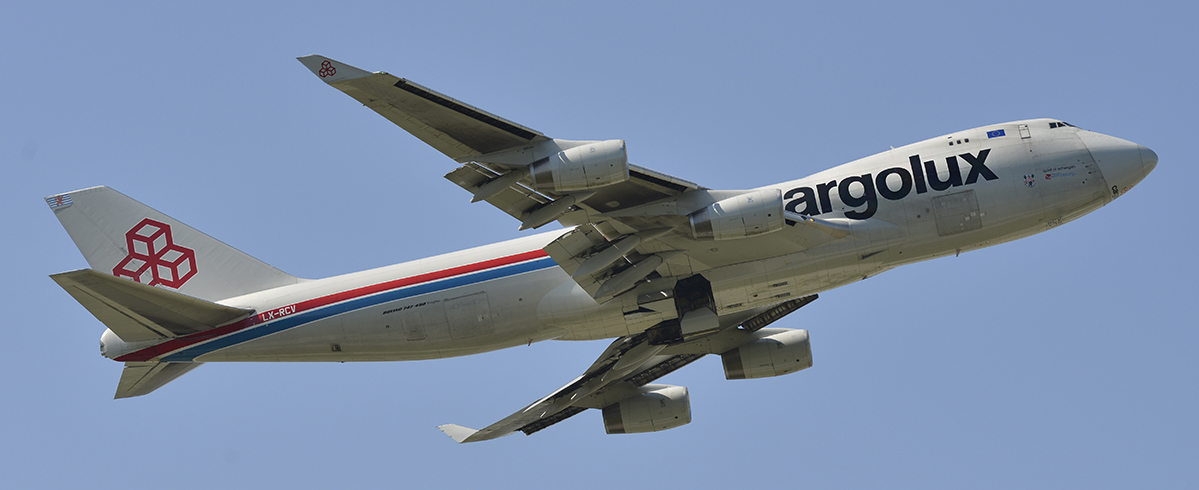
191,353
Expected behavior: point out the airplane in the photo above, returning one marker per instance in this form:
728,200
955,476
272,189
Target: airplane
670,270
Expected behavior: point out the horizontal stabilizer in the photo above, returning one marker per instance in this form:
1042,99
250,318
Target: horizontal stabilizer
457,432
140,378
138,312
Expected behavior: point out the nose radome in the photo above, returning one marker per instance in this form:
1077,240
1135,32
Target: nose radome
1122,162
1148,159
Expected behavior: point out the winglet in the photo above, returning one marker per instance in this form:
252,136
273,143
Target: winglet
457,432
330,70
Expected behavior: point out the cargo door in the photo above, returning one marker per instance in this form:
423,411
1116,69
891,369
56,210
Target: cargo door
957,213
469,316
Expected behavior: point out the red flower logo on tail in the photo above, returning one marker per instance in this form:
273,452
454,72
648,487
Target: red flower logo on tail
154,258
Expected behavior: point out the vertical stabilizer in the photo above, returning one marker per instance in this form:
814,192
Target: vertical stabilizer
120,236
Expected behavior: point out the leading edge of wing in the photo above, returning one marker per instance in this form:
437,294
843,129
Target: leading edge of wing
455,128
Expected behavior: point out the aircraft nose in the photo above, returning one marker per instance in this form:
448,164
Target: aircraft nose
1122,162
1148,159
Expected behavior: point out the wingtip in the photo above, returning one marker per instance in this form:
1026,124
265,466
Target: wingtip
331,70
457,432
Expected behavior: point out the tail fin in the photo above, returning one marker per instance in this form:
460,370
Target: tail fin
120,236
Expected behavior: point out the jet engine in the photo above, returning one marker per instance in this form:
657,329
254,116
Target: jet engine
750,214
655,408
775,352
583,167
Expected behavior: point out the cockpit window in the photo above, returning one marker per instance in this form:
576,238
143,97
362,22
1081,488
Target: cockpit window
1060,124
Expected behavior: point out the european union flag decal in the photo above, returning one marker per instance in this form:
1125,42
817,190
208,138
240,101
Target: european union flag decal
995,134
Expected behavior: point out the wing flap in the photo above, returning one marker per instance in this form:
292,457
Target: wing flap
516,200
138,312
606,268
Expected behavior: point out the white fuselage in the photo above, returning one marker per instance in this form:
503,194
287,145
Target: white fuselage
1027,180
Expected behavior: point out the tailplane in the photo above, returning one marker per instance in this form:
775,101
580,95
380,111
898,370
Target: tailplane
142,316
140,378
125,238
140,313
152,279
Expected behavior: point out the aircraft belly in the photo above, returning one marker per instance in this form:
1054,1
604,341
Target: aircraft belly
569,307
762,283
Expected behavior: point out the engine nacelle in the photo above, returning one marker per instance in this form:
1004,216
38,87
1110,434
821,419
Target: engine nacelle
655,408
750,214
776,351
582,167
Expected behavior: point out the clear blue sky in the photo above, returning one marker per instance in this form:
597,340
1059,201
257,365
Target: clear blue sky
1063,360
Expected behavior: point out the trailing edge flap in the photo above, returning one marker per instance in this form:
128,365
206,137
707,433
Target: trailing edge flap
516,200
572,249
138,312
451,126
140,378
606,269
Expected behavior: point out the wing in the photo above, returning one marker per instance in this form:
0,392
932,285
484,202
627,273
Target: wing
488,145
452,127
633,224
625,366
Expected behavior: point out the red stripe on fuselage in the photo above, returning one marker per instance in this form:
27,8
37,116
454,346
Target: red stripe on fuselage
311,304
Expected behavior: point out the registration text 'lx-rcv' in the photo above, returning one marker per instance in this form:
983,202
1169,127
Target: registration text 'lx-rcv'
671,270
